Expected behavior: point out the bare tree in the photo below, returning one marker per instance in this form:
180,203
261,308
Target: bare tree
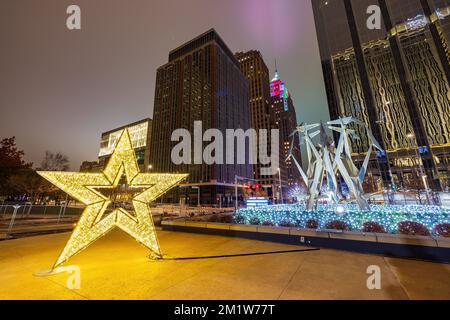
28,182
54,162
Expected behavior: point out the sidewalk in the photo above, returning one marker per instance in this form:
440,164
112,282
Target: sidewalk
116,267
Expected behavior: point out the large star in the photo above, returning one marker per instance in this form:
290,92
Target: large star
95,220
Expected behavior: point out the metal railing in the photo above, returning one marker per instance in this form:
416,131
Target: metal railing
23,211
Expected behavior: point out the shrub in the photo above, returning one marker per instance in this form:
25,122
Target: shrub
268,223
287,224
239,219
375,227
312,224
255,221
443,230
226,218
214,218
413,228
298,224
337,225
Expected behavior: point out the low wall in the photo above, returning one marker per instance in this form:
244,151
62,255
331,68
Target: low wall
401,246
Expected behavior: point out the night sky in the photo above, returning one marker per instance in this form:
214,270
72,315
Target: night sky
60,89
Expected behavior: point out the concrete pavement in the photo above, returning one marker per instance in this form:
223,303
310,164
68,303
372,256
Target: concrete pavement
116,267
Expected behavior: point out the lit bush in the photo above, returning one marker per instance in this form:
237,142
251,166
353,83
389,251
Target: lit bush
226,219
373,227
298,224
443,230
214,218
413,229
312,224
337,225
268,224
287,224
239,219
255,221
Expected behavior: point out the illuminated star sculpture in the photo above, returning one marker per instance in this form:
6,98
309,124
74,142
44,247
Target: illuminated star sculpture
102,214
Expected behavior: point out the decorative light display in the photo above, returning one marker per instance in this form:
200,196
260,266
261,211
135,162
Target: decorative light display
340,209
326,159
299,193
95,220
388,216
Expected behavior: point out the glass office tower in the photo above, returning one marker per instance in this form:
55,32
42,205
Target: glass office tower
396,80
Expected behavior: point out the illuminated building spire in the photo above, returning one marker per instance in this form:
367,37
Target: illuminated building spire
277,76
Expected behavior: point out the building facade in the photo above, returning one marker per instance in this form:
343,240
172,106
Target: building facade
202,81
255,70
272,107
91,166
396,80
140,135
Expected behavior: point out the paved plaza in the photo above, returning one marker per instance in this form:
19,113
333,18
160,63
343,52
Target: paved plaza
116,267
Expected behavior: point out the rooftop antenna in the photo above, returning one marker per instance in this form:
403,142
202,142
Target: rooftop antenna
277,77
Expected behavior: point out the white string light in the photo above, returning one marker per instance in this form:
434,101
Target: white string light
94,223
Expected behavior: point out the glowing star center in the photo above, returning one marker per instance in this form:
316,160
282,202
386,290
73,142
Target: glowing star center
121,196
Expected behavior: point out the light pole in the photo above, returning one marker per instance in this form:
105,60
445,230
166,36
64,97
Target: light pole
281,187
236,191
422,173
381,124
13,218
198,195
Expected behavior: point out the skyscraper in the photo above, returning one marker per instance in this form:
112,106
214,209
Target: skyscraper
201,82
271,108
394,79
255,70
285,119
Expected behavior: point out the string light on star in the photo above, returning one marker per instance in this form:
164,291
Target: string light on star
95,220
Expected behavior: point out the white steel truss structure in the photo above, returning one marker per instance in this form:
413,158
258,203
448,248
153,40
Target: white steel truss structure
326,160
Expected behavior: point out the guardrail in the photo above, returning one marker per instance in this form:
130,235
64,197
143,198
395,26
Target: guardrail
184,211
30,209
22,212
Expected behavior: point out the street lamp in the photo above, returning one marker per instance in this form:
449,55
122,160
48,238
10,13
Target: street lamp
13,218
381,124
411,136
281,187
198,194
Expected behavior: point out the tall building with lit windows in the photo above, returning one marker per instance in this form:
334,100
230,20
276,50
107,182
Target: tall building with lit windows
255,70
285,119
202,81
396,80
